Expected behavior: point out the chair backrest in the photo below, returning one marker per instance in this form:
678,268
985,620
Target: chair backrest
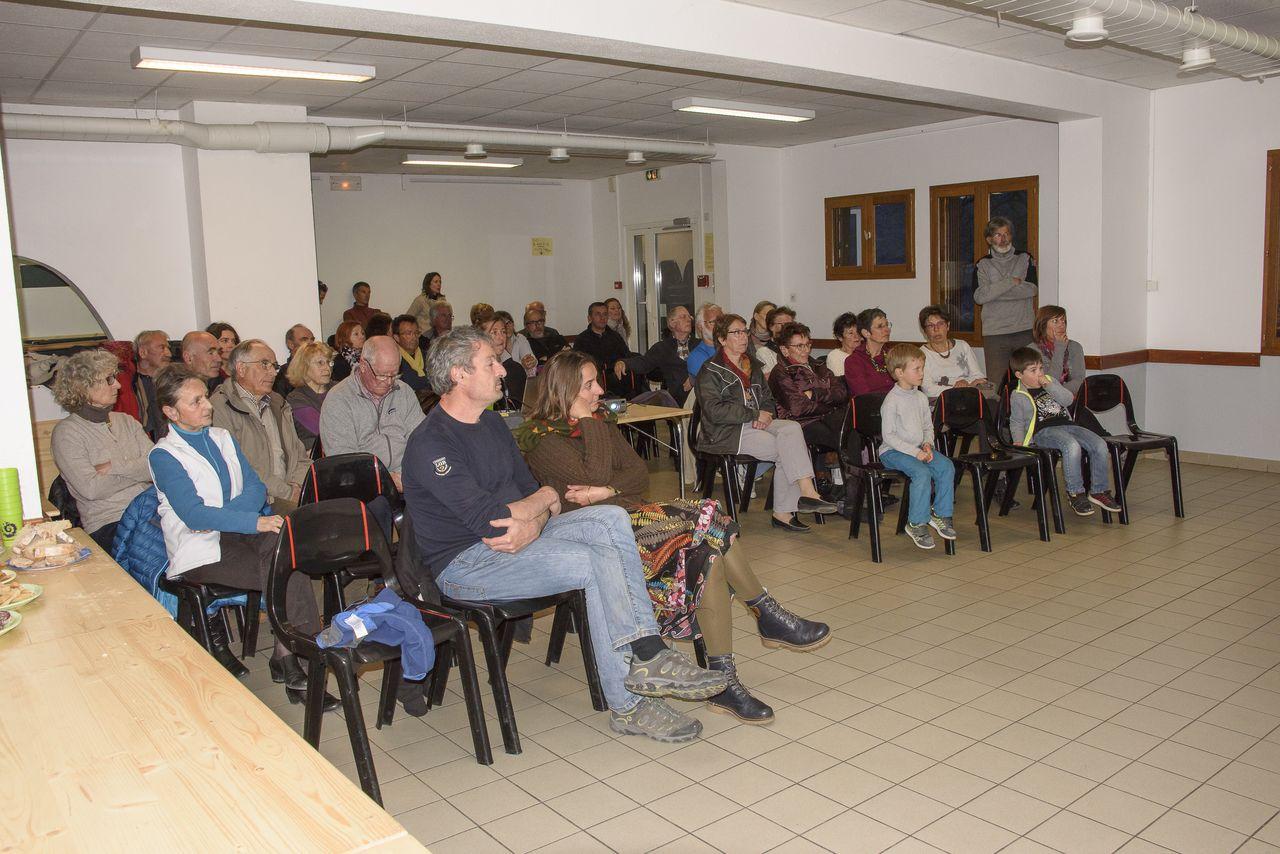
320,540
412,578
864,421
60,496
1103,392
360,476
959,409
695,425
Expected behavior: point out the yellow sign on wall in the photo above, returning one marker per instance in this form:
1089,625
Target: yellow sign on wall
541,245
709,252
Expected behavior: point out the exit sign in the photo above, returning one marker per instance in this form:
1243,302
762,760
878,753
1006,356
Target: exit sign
652,174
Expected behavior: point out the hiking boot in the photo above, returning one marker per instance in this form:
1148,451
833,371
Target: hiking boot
736,700
781,629
654,719
1105,501
671,674
1080,504
920,535
220,649
942,524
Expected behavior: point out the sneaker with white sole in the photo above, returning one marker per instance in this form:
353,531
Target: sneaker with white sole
670,673
1105,501
920,535
1080,504
942,524
653,718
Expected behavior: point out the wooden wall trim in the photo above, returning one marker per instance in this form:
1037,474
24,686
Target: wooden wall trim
1205,357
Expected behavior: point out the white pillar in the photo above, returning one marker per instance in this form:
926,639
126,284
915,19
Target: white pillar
252,230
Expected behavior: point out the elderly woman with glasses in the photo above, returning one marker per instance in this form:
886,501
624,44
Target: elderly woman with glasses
865,370
310,372
261,422
806,391
102,455
948,362
738,417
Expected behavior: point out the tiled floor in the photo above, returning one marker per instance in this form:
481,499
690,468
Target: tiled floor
1116,689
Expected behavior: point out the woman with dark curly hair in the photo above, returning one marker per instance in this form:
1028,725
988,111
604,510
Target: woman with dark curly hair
102,455
578,450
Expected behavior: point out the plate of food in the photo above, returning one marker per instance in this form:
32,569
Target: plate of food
46,545
7,575
14,594
9,620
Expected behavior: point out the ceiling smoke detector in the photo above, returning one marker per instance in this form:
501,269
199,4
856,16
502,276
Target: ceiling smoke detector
559,155
1087,29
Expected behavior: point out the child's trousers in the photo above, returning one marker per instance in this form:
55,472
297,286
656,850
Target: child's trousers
938,476
1071,439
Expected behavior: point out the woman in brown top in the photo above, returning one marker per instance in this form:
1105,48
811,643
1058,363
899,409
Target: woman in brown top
578,450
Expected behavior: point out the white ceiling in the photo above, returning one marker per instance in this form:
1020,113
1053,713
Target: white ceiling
962,27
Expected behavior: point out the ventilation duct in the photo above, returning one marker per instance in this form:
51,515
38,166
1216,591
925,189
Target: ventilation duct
321,138
1152,27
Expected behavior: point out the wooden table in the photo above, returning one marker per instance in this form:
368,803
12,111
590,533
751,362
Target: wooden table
644,413
117,731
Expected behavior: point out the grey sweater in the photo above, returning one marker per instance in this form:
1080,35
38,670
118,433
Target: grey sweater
79,445
353,422
1007,306
905,422
1071,357
1022,411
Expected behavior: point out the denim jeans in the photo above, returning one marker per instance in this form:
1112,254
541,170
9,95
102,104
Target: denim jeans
591,549
938,476
1070,439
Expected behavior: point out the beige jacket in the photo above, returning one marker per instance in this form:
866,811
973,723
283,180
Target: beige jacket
231,413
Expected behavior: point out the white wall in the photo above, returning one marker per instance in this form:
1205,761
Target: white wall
916,161
477,236
111,218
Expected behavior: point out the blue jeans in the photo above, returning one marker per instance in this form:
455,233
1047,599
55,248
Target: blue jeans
1071,439
591,549
936,477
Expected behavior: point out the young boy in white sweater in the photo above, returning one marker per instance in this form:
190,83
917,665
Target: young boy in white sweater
907,433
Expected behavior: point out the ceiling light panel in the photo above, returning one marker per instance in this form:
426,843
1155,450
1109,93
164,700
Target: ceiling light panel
455,160
208,62
742,110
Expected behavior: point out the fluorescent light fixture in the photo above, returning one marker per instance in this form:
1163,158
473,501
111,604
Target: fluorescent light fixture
176,59
742,110
1197,59
427,159
1087,29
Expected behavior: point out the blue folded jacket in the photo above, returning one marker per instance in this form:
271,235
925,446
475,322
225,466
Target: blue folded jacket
385,619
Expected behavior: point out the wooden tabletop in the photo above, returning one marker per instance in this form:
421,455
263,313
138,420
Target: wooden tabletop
638,412
117,731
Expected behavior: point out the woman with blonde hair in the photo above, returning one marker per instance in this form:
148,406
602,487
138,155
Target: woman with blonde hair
102,455
310,372
577,449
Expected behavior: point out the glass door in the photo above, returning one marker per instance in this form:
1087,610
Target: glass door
662,276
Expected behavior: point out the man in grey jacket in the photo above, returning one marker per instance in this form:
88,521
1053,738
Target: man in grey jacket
1007,292
262,422
372,411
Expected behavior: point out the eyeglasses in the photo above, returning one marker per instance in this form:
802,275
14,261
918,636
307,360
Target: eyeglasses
383,378
935,324
887,325
322,362
736,332
262,363
805,345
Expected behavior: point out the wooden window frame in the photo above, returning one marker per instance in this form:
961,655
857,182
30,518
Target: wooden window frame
869,269
1271,259
981,192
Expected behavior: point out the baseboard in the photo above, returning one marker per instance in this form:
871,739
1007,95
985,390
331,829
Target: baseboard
1225,461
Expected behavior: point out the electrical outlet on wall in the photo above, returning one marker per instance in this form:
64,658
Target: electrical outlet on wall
1152,286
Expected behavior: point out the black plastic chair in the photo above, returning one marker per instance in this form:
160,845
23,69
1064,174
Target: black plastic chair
1104,392
866,480
321,540
708,465
60,497
1050,458
359,476
962,411
196,600
496,622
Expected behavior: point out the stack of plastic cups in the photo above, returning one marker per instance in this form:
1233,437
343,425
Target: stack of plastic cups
10,506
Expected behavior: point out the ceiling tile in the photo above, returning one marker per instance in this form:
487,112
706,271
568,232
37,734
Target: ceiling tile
447,113
582,68
388,67
415,94
566,105
896,16
81,91
621,90
454,74
1024,46
331,88
588,124
93,71
43,16
632,110
812,8
399,47
14,88
364,108
268,50
1073,59
495,98
666,96
729,88
218,82
39,41
271,37
499,58
1266,22
524,119
18,65
542,82
146,25
646,128
311,102
117,47
663,78
963,32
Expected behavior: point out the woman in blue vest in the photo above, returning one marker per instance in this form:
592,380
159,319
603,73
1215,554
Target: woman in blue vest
211,513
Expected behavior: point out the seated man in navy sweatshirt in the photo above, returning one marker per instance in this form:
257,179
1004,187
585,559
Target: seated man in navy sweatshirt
489,532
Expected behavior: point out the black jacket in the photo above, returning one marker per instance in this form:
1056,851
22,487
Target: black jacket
607,349
665,357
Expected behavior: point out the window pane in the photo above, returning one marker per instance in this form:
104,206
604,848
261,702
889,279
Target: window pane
891,233
846,237
1013,207
956,261
50,309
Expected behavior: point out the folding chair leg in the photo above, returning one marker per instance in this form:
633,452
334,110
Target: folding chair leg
1042,512
313,708
471,695
559,628
1175,479
253,619
747,483
507,636
445,654
874,510
729,474
349,690
1049,475
980,499
1119,483
498,681
853,501
1011,490
588,651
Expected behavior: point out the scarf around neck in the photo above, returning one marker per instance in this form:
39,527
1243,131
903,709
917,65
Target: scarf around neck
94,414
415,361
533,430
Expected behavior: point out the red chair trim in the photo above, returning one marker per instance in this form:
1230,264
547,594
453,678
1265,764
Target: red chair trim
293,555
364,517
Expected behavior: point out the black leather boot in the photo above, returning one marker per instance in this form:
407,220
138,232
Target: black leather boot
780,628
736,700
287,669
219,649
